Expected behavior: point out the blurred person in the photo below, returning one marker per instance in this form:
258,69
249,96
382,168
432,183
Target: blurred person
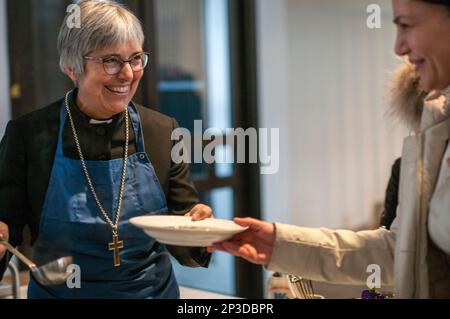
414,255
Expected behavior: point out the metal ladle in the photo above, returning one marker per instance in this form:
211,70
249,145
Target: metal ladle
53,273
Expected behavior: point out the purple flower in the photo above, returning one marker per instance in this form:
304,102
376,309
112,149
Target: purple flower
371,294
366,294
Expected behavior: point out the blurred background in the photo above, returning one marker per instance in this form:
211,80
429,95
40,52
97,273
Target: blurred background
311,68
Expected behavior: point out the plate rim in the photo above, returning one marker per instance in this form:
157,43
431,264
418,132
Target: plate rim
174,228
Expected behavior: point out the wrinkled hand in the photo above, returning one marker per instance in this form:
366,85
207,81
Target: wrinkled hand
4,234
254,244
199,212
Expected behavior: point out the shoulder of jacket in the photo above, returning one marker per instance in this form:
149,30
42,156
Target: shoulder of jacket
41,116
149,116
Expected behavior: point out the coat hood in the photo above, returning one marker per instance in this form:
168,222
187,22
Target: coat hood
407,101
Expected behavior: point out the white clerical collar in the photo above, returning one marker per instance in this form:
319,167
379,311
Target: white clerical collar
94,121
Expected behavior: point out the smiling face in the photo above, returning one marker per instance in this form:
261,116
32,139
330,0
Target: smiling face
100,95
423,34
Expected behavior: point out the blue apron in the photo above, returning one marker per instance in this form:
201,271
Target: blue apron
71,220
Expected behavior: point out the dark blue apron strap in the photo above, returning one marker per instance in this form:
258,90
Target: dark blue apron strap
62,120
137,126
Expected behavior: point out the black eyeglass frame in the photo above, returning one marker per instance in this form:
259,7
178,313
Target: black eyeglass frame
102,60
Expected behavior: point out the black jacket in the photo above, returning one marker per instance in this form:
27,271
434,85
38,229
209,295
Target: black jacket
26,157
391,197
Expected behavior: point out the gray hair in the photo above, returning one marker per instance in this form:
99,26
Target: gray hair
103,24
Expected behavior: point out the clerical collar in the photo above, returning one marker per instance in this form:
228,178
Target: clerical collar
94,121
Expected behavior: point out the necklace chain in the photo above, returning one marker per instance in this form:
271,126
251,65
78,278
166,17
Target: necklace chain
114,225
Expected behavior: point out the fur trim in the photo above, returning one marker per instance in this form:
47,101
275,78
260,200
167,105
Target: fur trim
406,98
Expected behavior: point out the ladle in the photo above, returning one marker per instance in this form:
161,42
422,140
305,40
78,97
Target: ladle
53,273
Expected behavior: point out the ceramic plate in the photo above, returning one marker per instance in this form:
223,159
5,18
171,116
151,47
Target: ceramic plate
182,231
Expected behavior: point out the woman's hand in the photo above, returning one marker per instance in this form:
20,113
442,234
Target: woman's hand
4,234
254,244
199,212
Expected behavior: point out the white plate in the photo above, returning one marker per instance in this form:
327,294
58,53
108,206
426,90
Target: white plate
182,231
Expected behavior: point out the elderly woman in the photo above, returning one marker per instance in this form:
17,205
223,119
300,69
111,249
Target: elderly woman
414,255
77,170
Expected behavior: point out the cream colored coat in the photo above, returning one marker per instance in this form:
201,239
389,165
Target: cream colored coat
342,256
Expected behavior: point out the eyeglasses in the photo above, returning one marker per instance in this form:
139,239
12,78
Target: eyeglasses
114,64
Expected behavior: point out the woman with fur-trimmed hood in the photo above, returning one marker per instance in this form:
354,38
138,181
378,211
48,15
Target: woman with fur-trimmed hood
414,255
